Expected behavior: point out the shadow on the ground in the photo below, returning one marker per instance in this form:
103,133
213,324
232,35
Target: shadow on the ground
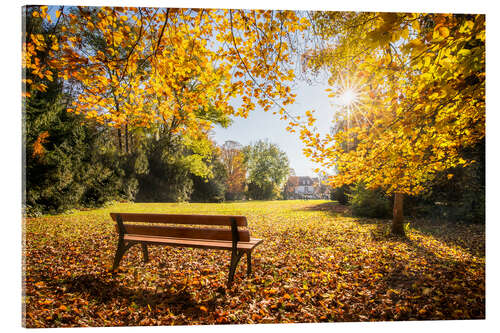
102,289
444,231
331,207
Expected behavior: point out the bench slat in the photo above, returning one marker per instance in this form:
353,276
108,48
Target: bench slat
196,243
241,221
185,232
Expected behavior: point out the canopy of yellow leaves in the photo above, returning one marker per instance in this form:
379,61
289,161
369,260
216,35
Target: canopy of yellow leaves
148,66
423,76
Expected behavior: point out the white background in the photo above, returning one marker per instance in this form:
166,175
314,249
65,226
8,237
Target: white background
10,142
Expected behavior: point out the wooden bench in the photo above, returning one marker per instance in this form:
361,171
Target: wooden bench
159,232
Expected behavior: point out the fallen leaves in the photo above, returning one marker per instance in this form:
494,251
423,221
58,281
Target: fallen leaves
315,265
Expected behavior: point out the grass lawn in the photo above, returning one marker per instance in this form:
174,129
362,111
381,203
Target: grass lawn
317,264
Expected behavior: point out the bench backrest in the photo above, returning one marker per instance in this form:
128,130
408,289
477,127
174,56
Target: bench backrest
162,229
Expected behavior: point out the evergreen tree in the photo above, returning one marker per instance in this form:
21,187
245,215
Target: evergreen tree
67,162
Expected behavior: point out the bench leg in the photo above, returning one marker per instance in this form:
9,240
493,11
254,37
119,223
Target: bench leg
235,258
120,251
249,263
145,256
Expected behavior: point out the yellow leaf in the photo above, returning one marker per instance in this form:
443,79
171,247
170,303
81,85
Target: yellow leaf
426,291
444,32
440,32
415,43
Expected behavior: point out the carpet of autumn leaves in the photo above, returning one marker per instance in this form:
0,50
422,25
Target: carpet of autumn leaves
317,264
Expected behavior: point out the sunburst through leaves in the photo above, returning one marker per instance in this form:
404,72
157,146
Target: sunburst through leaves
350,101
350,97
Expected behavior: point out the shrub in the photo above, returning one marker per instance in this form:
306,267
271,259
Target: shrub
369,203
266,191
340,194
211,189
455,194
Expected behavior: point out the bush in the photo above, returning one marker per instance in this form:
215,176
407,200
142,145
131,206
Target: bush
70,171
340,194
369,203
167,178
469,208
455,194
233,196
266,191
211,189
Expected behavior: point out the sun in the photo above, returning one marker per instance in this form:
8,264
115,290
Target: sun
348,93
348,97
351,100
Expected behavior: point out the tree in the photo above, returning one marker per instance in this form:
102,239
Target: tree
412,90
145,66
173,71
212,189
173,161
321,187
267,168
67,163
233,160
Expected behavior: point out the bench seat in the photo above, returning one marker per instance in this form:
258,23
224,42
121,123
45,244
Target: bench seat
195,243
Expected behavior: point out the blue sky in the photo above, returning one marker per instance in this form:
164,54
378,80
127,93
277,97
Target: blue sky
265,125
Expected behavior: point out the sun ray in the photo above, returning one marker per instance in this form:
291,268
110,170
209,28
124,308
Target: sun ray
353,102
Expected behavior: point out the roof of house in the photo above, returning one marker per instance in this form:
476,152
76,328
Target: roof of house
305,180
302,180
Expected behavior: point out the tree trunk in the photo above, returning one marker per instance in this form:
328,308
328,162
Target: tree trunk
397,215
131,142
126,138
120,140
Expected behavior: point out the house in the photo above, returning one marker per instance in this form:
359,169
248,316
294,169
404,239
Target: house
301,187
305,186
